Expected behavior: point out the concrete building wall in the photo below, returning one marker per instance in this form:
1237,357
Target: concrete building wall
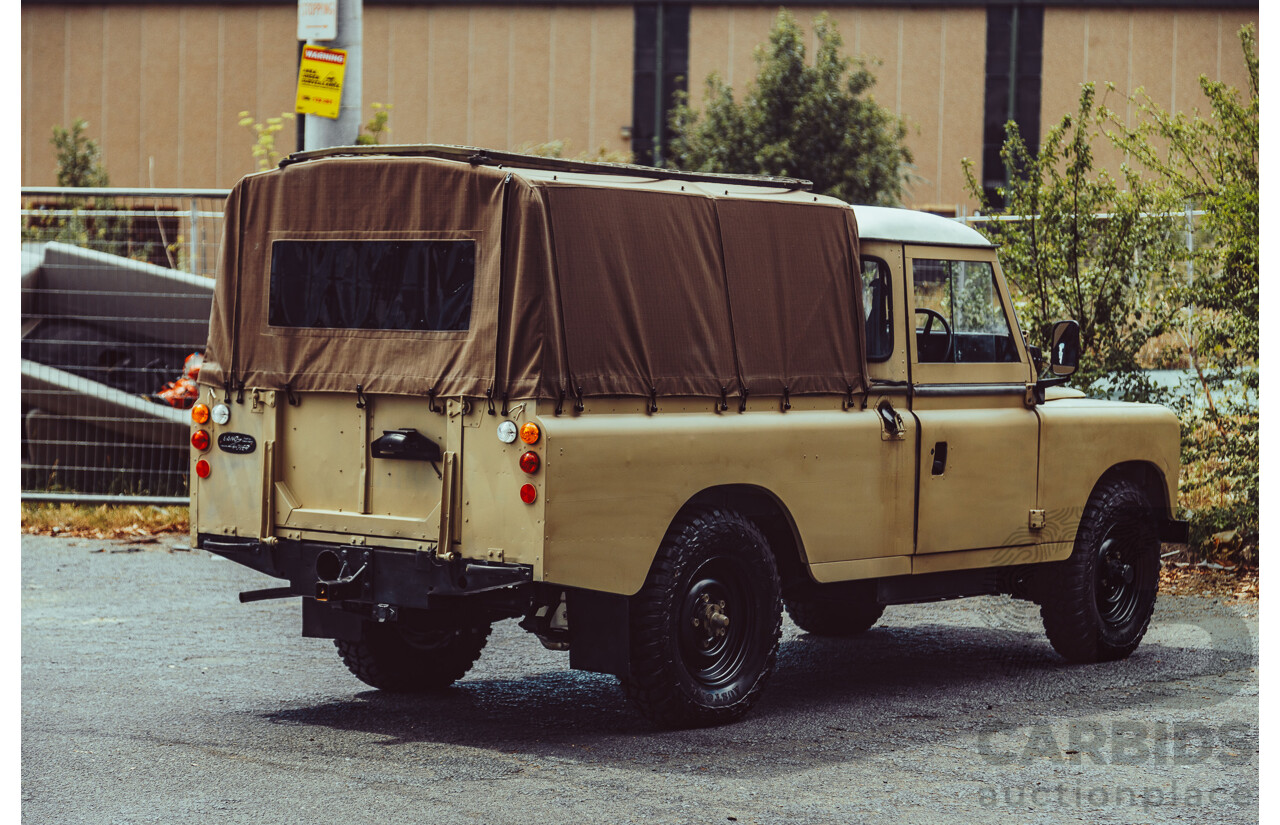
162,85
1162,51
929,66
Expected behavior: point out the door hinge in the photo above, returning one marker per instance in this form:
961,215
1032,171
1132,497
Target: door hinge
1036,520
262,399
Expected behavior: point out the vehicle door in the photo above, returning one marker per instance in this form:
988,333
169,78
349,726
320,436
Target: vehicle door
886,527
978,439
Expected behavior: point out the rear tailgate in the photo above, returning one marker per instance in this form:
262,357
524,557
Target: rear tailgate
300,465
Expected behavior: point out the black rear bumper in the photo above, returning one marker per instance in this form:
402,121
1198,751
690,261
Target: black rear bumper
370,575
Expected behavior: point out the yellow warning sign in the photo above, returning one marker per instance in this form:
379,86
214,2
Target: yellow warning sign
320,81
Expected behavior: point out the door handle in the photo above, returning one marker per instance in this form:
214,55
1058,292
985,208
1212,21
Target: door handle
891,426
407,443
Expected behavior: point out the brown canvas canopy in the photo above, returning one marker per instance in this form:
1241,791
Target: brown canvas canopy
579,284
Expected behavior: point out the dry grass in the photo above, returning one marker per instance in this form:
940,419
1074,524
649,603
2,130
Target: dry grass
1187,575
1164,352
108,521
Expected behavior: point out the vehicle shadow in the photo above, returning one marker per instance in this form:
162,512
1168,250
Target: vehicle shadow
833,699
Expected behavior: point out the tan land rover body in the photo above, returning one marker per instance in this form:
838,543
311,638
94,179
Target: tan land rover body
642,411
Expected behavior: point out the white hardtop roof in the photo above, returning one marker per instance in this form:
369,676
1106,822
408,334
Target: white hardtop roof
882,223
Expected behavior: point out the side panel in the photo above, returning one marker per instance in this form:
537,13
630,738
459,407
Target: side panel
232,501
614,482
1082,438
496,525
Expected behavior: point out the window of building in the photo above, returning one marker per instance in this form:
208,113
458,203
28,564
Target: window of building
661,69
1015,38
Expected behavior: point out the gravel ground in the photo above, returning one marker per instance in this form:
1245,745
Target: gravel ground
149,694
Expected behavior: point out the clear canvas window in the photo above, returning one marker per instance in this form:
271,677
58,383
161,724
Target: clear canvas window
381,284
877,302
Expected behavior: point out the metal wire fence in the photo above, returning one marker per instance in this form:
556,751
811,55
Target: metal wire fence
116,291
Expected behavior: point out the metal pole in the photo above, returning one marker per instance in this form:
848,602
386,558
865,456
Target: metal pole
322,132
659,104
196,258
300,120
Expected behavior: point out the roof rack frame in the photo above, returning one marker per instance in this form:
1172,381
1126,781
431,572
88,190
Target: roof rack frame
489,157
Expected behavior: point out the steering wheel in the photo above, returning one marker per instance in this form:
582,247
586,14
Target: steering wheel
928,328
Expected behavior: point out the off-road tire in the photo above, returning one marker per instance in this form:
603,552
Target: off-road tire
1097,604
684,671
394,658
833,617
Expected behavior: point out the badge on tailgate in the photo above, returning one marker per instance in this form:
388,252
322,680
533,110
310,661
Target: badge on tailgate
239,443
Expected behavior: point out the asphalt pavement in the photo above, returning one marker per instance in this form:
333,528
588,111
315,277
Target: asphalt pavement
151,695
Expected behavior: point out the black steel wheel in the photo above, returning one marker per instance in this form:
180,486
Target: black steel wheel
1097,604
705,626
401,658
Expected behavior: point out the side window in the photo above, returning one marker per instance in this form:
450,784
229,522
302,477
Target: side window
959,318
877,301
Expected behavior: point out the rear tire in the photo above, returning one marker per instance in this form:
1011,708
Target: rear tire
706,623
835,617
1097,604
396,658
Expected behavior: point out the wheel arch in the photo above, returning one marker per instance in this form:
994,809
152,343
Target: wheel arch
1149,479
770,514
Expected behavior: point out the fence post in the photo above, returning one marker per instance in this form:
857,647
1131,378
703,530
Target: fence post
197,244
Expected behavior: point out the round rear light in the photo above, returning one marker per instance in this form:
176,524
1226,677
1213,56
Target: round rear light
202,468
200,414
530,433
529,462
528,494
200,440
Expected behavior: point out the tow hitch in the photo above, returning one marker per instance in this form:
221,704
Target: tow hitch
343,574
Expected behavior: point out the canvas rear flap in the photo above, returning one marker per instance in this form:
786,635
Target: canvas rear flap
353,199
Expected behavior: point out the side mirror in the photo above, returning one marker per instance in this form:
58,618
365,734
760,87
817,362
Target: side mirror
1065,349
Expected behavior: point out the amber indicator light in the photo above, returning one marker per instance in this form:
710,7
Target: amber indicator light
200,440
202,468
528,494
529,462
200,414
530,433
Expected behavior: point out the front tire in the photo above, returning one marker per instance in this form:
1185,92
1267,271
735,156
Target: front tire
1097,604
399,658
705,625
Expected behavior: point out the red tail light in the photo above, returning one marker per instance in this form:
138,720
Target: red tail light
529,462
200,440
